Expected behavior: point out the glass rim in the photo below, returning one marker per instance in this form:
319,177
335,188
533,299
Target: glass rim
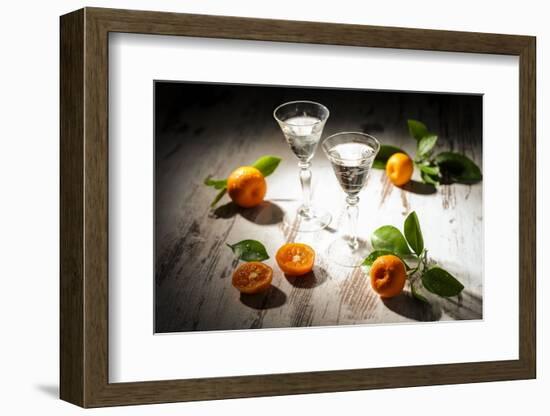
301,102
354,133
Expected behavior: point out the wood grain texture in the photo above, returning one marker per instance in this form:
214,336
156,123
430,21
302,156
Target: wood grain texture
228,27
71,214
210,129
96,216
84,218
528,209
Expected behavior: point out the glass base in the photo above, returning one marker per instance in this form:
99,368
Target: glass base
340,252
314,220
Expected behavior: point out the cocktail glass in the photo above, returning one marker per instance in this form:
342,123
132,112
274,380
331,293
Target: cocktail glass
302,123
351,155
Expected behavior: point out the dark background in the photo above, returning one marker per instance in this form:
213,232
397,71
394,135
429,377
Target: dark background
183,108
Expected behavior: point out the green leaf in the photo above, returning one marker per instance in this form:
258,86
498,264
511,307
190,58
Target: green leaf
216,183
417,129
429,173
425,146
267,164
441,282
429,169
218,197
249,250
390,238
384,154
417,295
413,234
429,179
374,255
378,253
456,167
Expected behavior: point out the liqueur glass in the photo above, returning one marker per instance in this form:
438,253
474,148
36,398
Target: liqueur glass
302,124
351,155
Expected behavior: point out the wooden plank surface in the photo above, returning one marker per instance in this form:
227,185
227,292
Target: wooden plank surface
208,129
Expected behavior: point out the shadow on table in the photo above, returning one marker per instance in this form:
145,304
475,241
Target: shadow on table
419,188
409,307
467,305
267,213
272,298
51,390
311,280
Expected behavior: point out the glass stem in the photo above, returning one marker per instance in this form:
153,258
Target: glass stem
305,180
353,215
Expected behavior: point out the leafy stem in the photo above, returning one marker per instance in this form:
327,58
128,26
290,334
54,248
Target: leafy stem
413,276
435,169
419,262
389,240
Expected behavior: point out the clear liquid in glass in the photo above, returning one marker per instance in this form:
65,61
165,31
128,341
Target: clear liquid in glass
302,134
351,163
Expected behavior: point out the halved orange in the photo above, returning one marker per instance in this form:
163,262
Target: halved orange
295,259
252,277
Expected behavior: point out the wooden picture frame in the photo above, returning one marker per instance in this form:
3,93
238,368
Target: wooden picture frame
84,207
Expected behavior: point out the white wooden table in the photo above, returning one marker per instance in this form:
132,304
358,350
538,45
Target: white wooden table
193,288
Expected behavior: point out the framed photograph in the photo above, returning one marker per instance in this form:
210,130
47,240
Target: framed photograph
256,207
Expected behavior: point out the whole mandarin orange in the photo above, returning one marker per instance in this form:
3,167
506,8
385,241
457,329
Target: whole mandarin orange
388,276
246,186
399,168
